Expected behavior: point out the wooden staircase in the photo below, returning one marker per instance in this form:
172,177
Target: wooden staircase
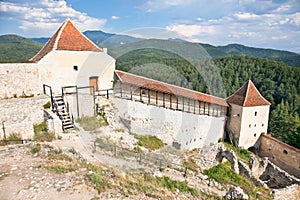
61,108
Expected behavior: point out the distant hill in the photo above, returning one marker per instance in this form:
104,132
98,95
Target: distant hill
118,44
101,38
287,57
14,48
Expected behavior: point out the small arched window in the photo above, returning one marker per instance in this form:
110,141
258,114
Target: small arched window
285,152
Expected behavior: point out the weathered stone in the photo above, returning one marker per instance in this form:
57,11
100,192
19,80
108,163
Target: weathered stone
231,157
236,193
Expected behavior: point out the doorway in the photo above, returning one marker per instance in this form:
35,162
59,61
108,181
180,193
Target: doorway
94,83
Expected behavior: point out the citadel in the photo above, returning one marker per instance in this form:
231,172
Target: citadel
73,72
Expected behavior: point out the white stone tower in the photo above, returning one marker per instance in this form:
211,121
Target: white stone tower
249,115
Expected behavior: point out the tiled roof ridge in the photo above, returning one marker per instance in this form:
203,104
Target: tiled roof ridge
60,30
167,84
247,91
68,20
248,95
53,42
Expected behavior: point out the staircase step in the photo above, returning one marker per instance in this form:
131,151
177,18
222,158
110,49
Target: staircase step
69,127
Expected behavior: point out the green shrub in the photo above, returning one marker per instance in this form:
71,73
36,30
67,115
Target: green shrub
14,136
149,142
47,105
223,174
89,123
59,156
99,182
60,169
41,133
243,154
35,149
174,185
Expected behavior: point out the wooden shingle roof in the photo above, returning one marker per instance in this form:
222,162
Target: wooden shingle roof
151,84
247,96
67,37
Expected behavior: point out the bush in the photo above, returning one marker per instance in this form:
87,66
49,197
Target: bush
41,133
243,154
89,123
174,185
149,142
60,169
36,149
223,174
47,105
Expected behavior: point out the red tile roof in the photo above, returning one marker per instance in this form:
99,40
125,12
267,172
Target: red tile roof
67,37
140,81
247,96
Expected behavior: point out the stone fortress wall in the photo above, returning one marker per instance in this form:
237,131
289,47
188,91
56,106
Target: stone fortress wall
281,154
19,79
17,115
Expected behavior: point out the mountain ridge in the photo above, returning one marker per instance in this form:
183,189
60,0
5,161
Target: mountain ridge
114,41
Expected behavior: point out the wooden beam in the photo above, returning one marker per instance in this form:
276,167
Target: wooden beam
163,99
156,97
176,103
182,103
148,96
130,92
141,94
170,101
194,106
121,89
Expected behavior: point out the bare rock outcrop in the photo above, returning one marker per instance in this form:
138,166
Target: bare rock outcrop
236,193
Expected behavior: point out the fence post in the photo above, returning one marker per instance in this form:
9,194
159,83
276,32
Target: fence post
185,172
140,161
160,165
107,94
115,150
4,134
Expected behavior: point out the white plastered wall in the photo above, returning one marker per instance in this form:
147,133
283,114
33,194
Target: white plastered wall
57,69
253,125
187,129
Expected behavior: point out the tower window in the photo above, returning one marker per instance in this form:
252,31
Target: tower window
75,67
262,125
254,134
255,113
254,125
249,125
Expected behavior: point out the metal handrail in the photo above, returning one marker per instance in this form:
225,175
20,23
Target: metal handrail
51,94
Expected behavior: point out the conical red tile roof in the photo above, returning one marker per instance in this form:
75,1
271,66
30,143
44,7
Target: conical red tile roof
67,37
247,96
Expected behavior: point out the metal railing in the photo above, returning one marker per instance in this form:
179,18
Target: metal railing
51,94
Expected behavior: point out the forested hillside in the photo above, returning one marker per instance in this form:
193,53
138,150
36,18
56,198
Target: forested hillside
278,82
14,48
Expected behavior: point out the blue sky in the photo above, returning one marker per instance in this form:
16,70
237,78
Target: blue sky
257,23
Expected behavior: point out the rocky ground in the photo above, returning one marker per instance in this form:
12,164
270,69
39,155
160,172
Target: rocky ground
75,167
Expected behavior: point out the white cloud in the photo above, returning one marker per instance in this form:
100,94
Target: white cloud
245,28
115,17
188,31
43,17
158,5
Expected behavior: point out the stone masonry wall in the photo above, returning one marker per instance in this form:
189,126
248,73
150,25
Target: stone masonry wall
17,79
19,115
284,156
